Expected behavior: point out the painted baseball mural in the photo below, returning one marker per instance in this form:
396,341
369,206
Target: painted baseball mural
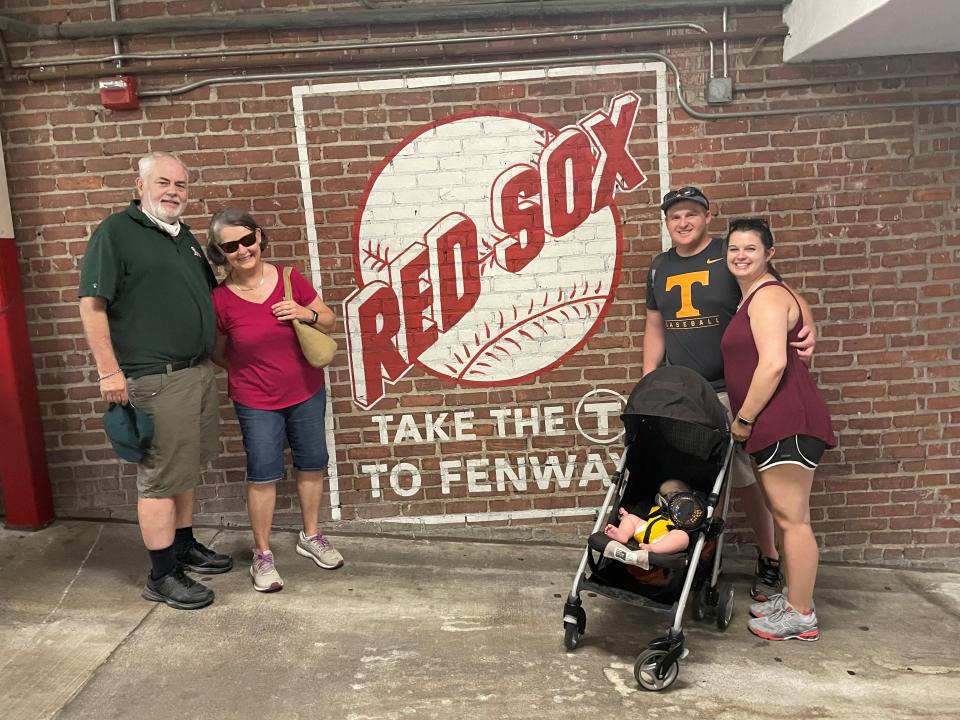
474,209
487,249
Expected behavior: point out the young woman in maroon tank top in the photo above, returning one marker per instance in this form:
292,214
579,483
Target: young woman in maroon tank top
780,417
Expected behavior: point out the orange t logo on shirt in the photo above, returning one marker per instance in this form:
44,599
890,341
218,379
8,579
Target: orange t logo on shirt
685,282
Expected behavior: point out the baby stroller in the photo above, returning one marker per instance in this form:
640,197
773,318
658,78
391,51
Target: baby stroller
675,427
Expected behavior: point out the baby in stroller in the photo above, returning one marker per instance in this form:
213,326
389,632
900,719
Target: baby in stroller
656,533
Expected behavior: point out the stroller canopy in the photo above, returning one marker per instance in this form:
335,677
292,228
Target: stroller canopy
688,411
677,393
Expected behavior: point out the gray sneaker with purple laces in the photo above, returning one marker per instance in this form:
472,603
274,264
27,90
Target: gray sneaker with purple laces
319,549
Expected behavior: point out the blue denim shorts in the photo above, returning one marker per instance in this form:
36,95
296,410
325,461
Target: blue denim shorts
264,432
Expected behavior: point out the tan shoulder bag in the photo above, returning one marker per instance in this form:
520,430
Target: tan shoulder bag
318,347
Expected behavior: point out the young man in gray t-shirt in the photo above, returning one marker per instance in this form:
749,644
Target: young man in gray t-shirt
691,297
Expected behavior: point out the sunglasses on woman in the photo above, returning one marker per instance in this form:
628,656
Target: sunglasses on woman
231,246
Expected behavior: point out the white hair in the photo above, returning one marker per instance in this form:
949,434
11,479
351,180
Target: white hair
146,163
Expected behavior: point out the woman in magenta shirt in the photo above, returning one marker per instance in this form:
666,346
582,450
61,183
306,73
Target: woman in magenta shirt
277,395
780,417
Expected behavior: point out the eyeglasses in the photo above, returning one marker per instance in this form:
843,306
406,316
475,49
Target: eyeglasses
231,246
749,223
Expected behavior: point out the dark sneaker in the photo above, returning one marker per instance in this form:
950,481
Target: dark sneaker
201,559
178,591
786,624
767,579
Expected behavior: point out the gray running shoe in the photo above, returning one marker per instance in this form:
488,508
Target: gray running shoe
320,550
776,602
264,573
786,624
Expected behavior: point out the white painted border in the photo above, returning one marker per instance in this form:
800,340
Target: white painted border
333,483
407,83
6,215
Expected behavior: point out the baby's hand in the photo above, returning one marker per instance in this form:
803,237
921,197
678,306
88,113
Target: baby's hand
647,546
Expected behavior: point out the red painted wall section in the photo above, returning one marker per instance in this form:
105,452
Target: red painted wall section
27,499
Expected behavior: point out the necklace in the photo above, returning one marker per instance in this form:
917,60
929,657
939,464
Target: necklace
240,287
756,282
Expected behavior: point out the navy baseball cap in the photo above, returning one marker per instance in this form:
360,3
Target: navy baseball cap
685,193
130,430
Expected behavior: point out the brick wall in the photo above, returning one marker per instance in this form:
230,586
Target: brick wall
864,204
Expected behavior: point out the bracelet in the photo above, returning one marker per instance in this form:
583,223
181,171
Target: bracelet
101,378
748,423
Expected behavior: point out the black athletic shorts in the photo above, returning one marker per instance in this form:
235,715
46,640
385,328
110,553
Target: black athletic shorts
804,450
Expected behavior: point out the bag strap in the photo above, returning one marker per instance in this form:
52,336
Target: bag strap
287,290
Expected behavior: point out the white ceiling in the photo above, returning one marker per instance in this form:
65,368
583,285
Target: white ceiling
833,29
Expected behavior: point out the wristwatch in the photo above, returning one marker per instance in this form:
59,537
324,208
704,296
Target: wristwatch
748,423
313,320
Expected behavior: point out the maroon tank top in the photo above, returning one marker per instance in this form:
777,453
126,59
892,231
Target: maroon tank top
796,407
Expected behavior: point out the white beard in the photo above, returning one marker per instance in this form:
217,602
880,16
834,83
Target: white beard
159,212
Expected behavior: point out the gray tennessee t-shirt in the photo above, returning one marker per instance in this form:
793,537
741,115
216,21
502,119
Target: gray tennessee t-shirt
696,296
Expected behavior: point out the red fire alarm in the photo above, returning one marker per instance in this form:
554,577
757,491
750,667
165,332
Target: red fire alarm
119,93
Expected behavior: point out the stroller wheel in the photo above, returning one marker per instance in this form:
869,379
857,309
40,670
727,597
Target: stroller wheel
645,671
725,607
571,636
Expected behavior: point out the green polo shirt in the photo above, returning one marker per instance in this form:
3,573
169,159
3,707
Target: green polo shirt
157,290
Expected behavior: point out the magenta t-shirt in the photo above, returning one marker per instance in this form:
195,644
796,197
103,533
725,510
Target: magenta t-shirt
267,369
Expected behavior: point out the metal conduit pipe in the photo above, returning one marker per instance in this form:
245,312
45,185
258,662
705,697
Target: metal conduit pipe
779,30
724,28
786,84
299,20
286,64
561,60
114,16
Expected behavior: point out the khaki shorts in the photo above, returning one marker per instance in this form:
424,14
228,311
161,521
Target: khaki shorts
741,465
186,413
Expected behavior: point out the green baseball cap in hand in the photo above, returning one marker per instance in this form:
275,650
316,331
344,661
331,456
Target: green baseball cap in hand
130,430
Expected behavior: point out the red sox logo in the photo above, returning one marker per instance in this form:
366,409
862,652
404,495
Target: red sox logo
487,247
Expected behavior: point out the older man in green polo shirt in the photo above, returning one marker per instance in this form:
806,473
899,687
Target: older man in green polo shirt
148,318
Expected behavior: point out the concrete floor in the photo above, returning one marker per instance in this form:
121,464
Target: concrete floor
439,629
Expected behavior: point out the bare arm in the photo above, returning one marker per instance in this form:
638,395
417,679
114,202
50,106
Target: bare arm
325,317
219,355
290,310
96,328
808,333
769,319
654,341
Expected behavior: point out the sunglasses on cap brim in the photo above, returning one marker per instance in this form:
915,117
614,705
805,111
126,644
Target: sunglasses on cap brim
231,246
